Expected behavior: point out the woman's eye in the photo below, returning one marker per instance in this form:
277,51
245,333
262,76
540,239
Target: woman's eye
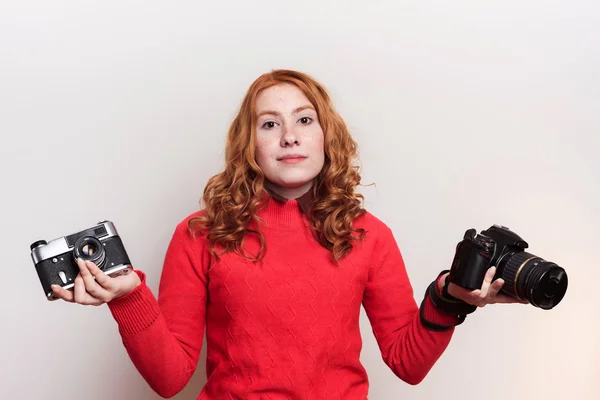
305,120
269,125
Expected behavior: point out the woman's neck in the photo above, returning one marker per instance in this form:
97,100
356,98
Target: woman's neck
289,193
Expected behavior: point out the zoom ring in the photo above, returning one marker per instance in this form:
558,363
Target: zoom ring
514,273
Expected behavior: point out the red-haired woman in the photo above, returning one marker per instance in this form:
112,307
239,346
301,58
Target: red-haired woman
276,266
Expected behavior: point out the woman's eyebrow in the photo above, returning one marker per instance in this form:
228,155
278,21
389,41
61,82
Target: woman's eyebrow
308,106
296,111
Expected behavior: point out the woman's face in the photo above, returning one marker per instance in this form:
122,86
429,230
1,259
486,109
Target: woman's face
289,140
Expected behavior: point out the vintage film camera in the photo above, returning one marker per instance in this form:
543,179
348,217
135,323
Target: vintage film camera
526,276
55,260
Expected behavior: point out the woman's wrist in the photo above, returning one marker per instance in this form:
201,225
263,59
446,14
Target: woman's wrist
441,282
129,285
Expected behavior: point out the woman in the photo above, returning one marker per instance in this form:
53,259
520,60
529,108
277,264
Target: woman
276,267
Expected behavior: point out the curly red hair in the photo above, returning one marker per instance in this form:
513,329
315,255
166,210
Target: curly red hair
233,197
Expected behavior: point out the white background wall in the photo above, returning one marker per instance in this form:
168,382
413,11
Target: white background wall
467,113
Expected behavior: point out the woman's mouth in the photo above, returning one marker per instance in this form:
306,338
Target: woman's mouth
292,158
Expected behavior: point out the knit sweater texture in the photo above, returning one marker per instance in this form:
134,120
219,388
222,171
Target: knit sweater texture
286,327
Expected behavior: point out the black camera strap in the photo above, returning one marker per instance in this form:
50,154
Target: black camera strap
446,303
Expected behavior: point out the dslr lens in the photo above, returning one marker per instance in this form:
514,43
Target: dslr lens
542,283
89,248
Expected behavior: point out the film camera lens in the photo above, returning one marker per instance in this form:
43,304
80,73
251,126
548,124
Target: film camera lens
542,283
88,248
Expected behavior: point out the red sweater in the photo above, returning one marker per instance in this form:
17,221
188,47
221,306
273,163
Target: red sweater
287,327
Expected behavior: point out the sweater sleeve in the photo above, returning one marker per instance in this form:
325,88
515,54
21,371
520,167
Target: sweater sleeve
407,347
163,336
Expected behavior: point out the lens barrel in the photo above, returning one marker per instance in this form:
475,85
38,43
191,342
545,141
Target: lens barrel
88,248
529,277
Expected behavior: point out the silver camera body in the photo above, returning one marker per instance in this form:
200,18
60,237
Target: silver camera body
55,261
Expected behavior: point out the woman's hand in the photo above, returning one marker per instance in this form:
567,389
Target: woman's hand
93,287
488,294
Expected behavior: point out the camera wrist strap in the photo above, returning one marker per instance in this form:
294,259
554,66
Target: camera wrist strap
445,303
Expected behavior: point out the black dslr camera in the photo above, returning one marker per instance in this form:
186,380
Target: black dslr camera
526,276
55,260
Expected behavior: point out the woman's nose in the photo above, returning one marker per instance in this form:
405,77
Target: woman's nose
289,136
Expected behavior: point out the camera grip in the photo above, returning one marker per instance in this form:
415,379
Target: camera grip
49,272
469,266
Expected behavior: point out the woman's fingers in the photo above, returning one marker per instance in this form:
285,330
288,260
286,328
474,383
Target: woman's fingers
91,286
77,295
102,279
488,294
495,288
502,298
62,293
96,282
89,282
487,281
79,290
82,296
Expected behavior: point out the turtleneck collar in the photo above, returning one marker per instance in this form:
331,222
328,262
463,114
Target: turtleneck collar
287,212
305,201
